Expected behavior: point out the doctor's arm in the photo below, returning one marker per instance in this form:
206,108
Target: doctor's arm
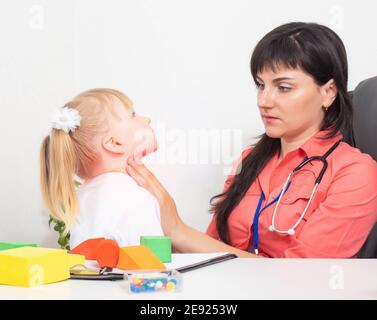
184,238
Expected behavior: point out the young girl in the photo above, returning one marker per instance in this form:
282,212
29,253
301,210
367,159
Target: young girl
92,137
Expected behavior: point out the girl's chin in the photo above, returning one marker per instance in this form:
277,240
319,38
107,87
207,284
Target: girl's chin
145,151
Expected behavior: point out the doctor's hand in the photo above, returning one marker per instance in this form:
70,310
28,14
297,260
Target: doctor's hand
184,238
170,220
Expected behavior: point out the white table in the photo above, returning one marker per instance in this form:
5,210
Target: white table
233,279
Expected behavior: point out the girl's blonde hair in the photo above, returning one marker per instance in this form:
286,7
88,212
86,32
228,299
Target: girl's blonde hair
64,155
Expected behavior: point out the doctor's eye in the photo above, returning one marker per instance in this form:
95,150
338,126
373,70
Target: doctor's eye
133,115
260,86
284,88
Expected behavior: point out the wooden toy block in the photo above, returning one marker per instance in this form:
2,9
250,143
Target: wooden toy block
107,253
13,245
159,245
31,266
87,248
138,258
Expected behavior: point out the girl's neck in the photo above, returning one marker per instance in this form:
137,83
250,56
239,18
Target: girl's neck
106,167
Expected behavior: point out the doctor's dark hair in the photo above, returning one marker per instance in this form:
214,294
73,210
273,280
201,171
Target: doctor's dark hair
318,51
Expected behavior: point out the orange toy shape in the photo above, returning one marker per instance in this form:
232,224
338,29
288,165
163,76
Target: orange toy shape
107,253
88,248
138,258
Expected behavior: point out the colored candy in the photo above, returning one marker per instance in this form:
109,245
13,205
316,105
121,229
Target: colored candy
154,282
170,286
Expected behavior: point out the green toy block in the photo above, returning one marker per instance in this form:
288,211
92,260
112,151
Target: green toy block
159,245
14,245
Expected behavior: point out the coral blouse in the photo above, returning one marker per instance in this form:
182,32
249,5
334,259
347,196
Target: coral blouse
339,218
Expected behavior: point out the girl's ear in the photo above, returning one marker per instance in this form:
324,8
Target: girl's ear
112,144
329,92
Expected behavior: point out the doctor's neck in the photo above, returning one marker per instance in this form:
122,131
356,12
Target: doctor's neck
293,143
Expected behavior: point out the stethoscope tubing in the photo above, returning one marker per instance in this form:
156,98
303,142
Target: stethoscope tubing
286,185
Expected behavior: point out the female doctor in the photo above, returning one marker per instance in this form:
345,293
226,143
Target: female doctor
299,191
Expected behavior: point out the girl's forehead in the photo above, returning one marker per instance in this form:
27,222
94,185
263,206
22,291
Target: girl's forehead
121,109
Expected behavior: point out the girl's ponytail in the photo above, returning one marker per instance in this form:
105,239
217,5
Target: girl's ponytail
58,162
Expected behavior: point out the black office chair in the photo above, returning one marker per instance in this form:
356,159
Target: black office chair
365,138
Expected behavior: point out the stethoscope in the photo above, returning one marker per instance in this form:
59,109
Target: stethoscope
259,209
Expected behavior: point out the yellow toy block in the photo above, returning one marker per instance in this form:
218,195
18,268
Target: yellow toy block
138,258
31,266
75,259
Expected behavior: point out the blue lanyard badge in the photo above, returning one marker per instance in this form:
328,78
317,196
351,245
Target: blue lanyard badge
258,212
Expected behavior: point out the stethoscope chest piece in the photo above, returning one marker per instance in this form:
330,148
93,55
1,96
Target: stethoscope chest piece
291,231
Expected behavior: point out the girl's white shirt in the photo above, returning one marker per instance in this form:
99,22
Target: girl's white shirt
113,206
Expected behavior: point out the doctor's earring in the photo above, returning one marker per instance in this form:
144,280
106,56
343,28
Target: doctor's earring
325,108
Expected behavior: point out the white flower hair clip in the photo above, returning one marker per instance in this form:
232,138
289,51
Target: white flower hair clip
66,119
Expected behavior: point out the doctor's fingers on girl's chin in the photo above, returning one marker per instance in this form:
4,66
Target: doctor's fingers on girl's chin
142,170
139,168
134,174
147,180
144,177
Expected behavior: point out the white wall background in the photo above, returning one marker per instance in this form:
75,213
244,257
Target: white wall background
183,62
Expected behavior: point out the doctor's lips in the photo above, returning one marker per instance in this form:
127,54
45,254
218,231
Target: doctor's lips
269,119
